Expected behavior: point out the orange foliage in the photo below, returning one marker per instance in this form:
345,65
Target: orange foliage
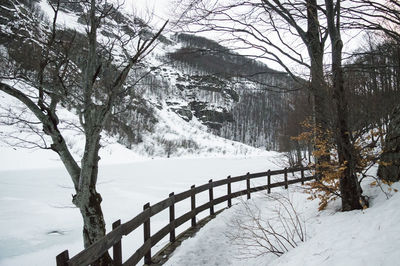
327,187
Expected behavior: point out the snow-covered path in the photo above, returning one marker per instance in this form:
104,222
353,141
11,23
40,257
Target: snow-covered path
358,238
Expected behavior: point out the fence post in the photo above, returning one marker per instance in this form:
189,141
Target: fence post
248,185
286,179
62,258
172,218
229,192
269,181
146,234
302,176
117,248
211,196
193,201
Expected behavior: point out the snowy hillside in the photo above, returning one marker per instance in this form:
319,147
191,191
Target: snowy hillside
172,137
182,75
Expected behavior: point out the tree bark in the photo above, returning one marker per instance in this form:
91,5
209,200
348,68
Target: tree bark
315,44
389,169
350,189
89,203
87,199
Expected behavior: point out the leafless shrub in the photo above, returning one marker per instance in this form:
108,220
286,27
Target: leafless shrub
170,146
256,233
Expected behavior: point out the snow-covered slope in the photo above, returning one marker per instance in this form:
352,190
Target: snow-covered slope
356,238
188,139
168,79
172,137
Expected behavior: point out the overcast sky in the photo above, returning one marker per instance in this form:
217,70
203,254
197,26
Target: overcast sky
160,8
163,10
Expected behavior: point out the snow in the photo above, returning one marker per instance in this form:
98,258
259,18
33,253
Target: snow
38,219
64,19
357,238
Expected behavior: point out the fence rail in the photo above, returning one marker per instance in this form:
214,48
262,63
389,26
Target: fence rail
113,238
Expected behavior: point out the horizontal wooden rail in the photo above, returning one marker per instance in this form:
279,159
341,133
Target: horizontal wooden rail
113,238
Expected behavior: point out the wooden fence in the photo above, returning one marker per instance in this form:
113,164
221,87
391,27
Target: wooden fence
113,238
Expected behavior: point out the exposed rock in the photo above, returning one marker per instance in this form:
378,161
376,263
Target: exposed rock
185,114
213,118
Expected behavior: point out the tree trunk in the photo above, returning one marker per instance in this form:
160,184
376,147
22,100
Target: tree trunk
350,189
299,158
88,202
389,169
87,199
315,46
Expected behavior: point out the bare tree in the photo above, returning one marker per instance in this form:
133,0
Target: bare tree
288,33
90,82
277,28
389,168
374,15
350,189
383,18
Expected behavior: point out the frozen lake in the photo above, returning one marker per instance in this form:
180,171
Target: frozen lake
38,220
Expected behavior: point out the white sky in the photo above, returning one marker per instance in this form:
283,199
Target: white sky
156,12
163,10
160,8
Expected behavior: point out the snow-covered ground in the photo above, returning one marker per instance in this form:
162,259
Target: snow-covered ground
38,219
356,238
